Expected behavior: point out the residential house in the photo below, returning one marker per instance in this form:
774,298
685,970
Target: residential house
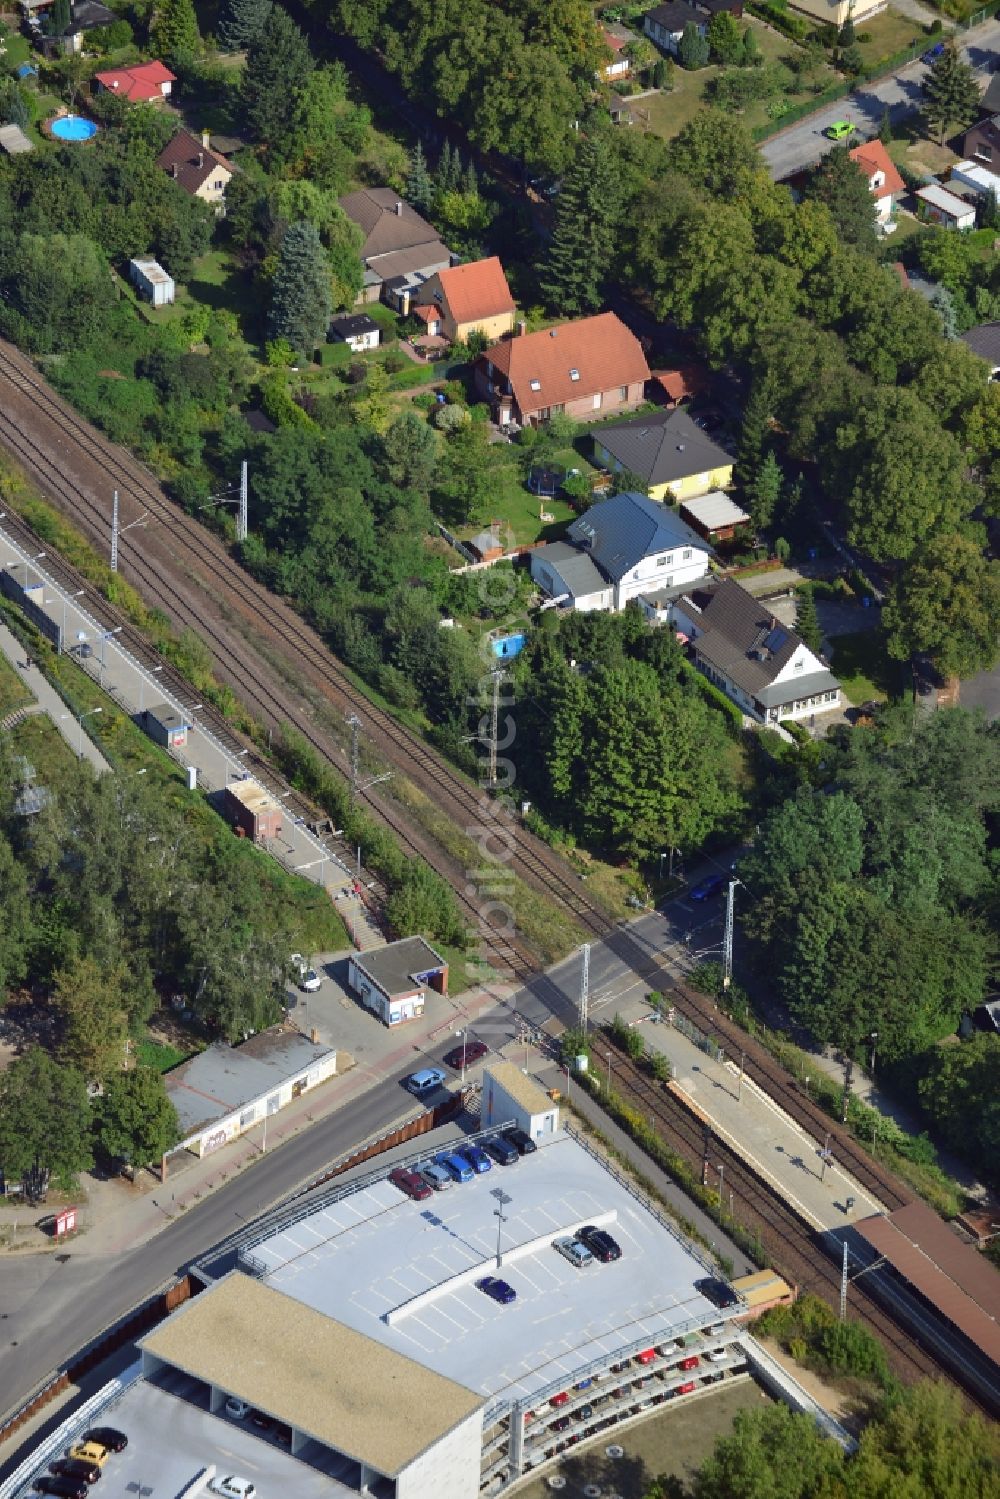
618,549
665,24
85,16
884,180
936,203
985,341
616,38
982,142
836,12
622,112
399,250
714,516
142,82
198,169
673,456
989,104
764,667
356,329
713,7
983,180
464,299
593,364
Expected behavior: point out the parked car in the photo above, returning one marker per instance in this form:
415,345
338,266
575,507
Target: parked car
646,1356
600,1243
578,1254
464,1056
477,1159
437,1177
108,1436
718,1355
456,1164
90,1452
716,1291
585,1412
425,1081
410,1183
499,1148
691,1362
258,1418
233,1487
706,888
522,1143
560,1423
933,53
496,1289
839,130
238,1409
72,1467
308,978
66,1488
558,1400
685,1389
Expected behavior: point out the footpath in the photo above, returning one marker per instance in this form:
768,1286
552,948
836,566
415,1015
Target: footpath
48,701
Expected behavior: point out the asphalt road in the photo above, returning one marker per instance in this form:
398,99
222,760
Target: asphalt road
803,144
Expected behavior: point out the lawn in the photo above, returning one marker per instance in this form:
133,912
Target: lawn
914,151
890,32
160,1055
669,113
45,750
217,281
860,664
13,692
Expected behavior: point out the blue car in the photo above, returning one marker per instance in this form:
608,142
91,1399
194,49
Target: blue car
497,1289
705,889
933,53
477,1159
455,1165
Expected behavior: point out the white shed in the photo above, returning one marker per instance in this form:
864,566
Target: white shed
509,1094
151,282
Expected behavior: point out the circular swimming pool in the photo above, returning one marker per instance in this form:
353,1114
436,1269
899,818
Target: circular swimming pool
72,128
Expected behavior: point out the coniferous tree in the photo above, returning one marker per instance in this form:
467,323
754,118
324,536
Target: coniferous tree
583,239
419,187
61,17
951,93
446,178
241,23
300,292
694,48
470,180
278,64
756,426
764,491
175,30
807,621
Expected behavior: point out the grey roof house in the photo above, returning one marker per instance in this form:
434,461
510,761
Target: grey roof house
665,24
618,549
985,341
673,456
762,665
399,251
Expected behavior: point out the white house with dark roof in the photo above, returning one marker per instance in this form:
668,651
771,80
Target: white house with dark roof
618,549
762,665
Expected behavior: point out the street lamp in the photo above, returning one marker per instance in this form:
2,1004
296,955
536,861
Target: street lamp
873,1038
65,600
154,671
463,1033
105,637
498,1212
91,712
608,1055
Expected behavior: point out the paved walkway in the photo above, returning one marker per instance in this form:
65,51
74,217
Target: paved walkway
757,1129
48,701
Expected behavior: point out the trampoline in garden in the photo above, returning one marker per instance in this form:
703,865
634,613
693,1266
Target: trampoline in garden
545,481
72,128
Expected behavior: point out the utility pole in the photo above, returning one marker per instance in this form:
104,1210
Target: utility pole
843,1287
848,1074
355,726
497,676
585,989
739,1085
727,941
704,1156
721,1184
241,514
114,533
825,1156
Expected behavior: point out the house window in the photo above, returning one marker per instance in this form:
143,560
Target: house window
598,398
558,410
799,665
686,555
219,185
535,384
623,392
661,561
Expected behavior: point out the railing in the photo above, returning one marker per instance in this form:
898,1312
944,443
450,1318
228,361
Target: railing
57,1440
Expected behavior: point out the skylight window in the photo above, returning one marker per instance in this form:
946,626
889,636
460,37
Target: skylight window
536,384
574,374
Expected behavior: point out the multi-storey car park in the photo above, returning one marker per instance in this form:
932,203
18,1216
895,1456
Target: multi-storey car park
349,1349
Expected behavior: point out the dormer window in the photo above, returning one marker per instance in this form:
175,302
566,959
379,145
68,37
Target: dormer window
878,181
535,384
574,374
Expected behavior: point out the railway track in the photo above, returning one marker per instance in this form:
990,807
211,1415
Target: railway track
790,1243
75,464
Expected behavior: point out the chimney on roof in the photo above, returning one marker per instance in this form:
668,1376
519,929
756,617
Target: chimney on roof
399,209
680,447
115,82
173,169
206,138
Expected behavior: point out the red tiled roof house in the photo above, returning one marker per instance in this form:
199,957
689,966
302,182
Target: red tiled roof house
473,298
589,366
143,83
883,179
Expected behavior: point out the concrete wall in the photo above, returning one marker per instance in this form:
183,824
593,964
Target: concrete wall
448,1470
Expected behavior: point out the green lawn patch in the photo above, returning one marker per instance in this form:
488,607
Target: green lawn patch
218,281
45,750
890,32
863,668
160,1055
13,692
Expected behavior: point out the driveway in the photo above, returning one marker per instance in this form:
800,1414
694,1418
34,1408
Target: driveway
983,691
802,145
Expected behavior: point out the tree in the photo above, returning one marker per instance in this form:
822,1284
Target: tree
950,92
582,248
885,127
807,620
14,107
959,1092
175,31
278,64
846,37
300,291
946,602
419,187
752,55
61,17
771,1454
89,999
764,491
44,1122
925,1446
61,287
663,74
372,408
135,1120
839,183
718,155
724,39
242,22
447,178
410,452
693,50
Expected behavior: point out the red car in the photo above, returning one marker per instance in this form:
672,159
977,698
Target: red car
647,1356
685,1389
689,1363
474,1051
559,1399
409,1182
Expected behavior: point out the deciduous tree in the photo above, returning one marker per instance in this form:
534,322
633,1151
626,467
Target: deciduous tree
946,602
175,31
44,1120
134,1119
90,1002
839,183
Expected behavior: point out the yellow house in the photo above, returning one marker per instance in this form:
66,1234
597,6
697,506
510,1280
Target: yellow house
199,170
670,453
836,12
473,298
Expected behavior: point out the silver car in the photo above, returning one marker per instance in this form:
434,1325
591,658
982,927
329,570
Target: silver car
571,1249
436,1176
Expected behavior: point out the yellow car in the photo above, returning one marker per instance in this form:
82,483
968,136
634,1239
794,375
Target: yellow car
91,1452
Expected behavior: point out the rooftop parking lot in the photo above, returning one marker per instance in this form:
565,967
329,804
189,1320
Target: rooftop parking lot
365,1257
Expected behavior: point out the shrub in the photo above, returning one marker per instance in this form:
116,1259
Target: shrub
450,418
634,1045
394,363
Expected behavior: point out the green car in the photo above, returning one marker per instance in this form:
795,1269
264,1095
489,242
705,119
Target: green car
839,130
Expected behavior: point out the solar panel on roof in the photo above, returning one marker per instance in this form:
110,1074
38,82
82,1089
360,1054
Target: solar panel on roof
776,639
